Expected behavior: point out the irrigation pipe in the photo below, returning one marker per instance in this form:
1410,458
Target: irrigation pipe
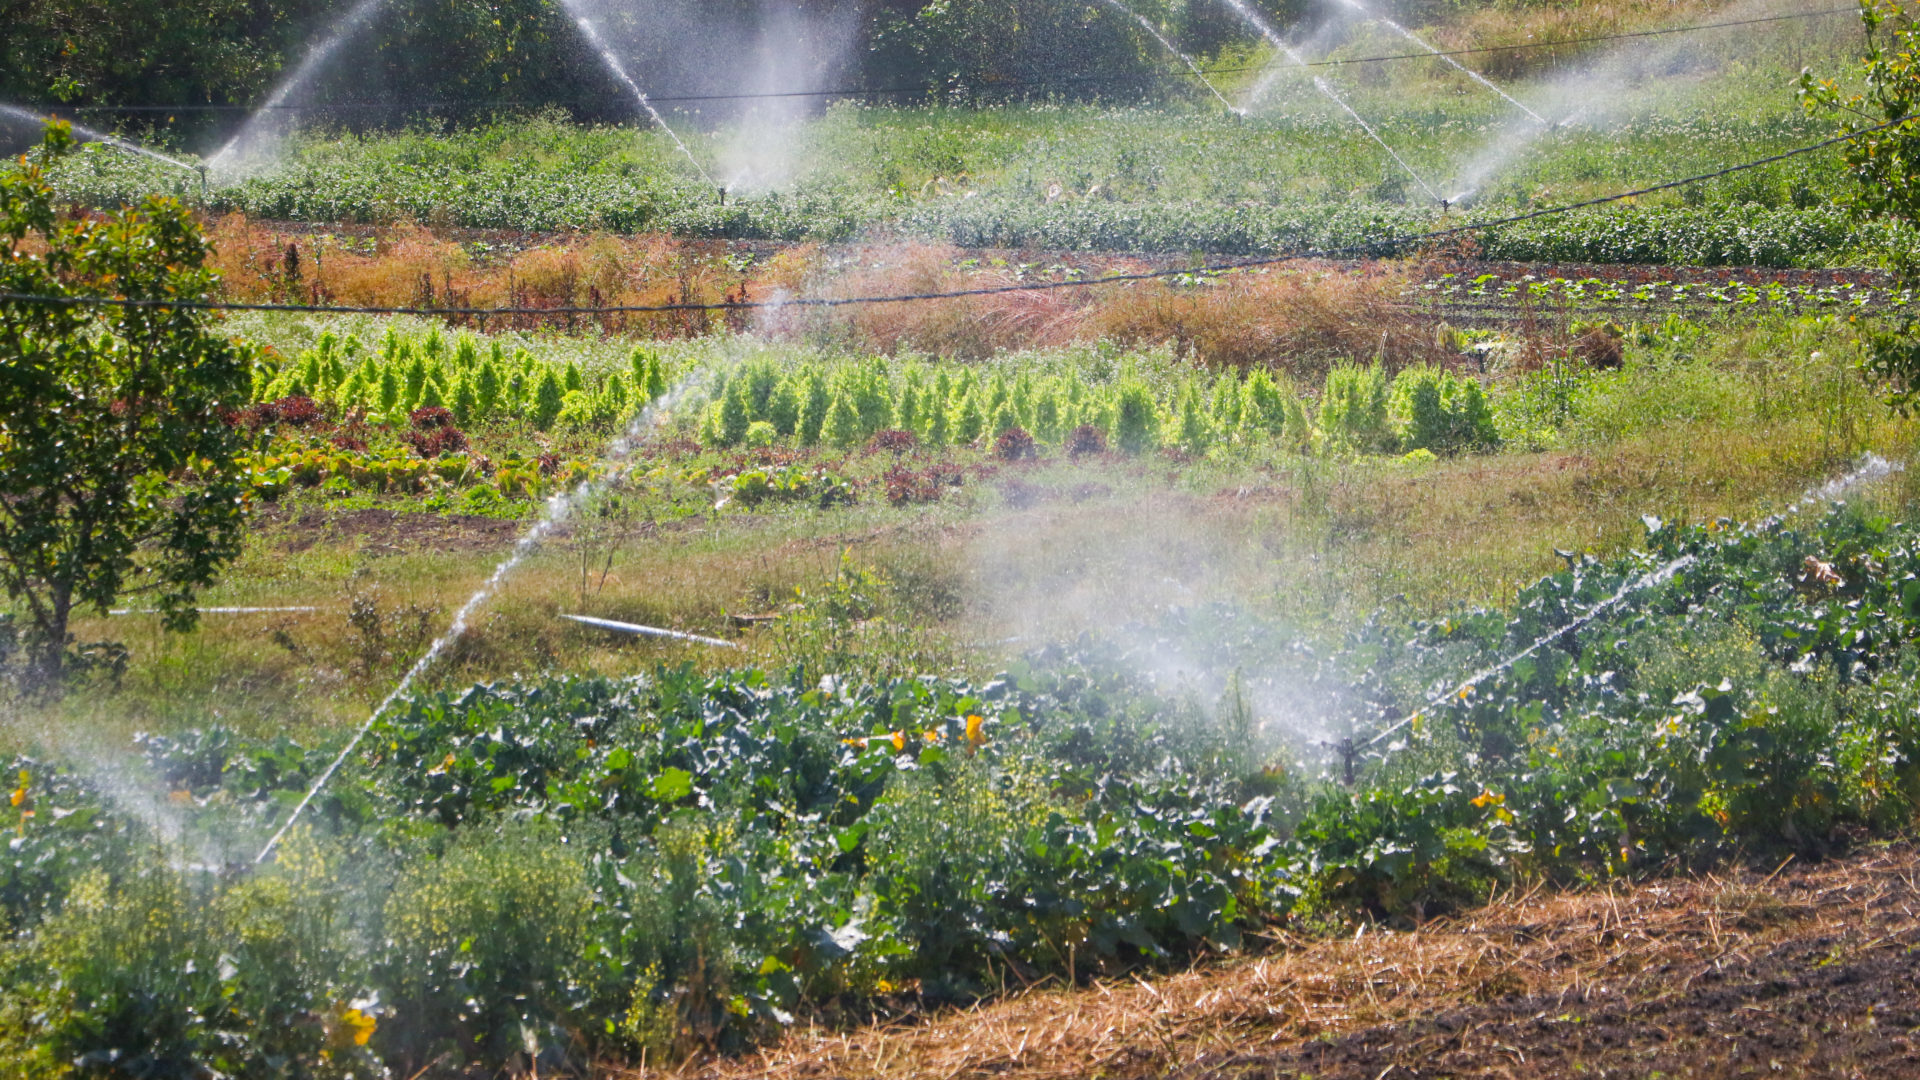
224,611
923,88
1375,249
648,631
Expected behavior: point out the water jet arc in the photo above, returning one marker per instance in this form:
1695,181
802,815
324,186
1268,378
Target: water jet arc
619,71
1147,25
558,508
1356,5
1254,20
346,28
81,131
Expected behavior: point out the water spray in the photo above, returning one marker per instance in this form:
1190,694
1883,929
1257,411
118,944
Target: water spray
1357,6
345,29
92,135
558,508
1465,689
1872,467
619,71
1253,19
1147,25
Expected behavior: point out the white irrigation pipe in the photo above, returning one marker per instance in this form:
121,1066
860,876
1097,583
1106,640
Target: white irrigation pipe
648,631
222,611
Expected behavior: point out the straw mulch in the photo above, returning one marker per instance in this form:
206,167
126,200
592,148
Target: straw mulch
1814,969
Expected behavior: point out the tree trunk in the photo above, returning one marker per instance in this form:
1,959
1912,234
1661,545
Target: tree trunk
49,656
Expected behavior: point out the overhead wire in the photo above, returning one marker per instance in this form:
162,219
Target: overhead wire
985,83
1371,248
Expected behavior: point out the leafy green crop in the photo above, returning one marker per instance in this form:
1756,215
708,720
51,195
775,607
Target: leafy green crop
715,855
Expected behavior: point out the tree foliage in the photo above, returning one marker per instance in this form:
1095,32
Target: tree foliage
1883,158
117,468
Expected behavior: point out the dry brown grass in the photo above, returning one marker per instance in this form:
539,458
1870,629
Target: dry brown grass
411,266
1299,318
1557,954
1493,26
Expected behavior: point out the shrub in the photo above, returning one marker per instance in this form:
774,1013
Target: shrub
760,435
1085,439
1434,409
1136,425
1353,410
486,949
1014,444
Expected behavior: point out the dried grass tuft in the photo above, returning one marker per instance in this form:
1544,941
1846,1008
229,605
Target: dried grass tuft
1597,946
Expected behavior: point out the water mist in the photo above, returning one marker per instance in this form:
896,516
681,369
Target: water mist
87,134
1253,19
253,142
557,510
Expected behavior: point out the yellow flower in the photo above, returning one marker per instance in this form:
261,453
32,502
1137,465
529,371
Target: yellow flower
360,1026
976,730
1466,691
899,740
347,1026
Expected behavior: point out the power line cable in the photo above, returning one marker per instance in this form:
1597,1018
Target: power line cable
1378,247
986,83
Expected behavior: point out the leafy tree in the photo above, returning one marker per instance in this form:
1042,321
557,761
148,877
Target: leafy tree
1884,162
117,468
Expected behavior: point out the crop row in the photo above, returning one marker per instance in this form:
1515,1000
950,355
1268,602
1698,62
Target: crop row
1360,409
388,384
844,403
1592,290
579,867
1732,230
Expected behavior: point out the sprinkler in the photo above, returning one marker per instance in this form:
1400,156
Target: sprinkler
202,170
723,196
1349,751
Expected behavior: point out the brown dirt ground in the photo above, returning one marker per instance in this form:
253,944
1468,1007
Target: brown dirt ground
389,531
1810,971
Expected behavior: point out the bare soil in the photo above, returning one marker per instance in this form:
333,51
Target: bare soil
393,532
